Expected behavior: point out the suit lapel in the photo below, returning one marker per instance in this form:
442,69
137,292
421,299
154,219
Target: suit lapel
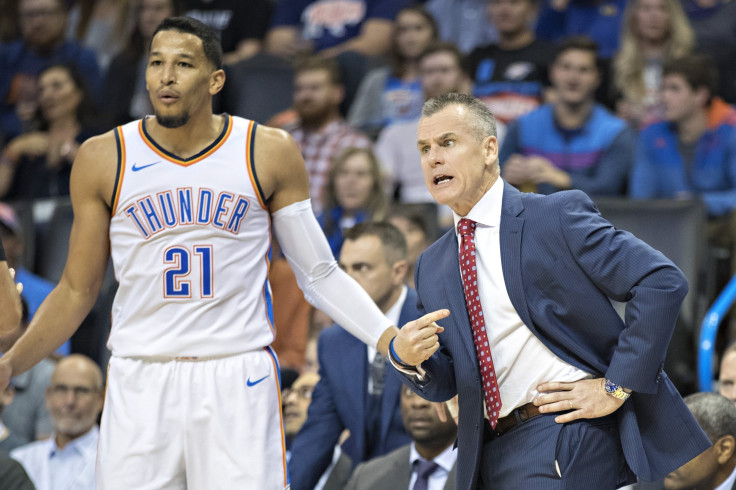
510,235
355,359
455,298
392,389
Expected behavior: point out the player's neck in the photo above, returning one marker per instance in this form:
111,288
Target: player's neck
189,139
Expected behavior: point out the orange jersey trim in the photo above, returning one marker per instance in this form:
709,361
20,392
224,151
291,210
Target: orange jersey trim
185,162
121,168
250,139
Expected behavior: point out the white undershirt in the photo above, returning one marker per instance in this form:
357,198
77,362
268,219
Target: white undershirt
520,359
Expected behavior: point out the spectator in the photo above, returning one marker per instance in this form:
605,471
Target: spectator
714,22
511,75
28,416
67,459
654,31
102,26
358,389
692,154
354,194
126,97
428,462
321,132
241,26
443,70
348,31
331,27
9,440
714,469
572,143
35,288
463,23
38,164
296,403
43,25
392,94
597,19
412,222
727,376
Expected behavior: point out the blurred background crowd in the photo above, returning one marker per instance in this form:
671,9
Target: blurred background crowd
630,101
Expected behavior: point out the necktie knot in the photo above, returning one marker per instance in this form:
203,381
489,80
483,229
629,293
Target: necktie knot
466,227
424,468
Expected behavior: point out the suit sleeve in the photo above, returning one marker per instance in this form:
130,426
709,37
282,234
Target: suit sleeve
439,382
313,446
628,270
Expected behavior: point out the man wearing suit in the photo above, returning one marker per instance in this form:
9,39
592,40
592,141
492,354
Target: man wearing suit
357,389
715,469
428,463
532,337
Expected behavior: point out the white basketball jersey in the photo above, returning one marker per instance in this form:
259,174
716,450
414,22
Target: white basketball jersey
190,241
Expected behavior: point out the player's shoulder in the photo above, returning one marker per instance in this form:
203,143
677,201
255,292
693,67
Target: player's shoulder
273,138
100,146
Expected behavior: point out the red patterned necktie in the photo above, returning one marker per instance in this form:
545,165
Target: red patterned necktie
491,395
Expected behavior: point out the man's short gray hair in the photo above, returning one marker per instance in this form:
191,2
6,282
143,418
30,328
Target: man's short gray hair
483,123
716,414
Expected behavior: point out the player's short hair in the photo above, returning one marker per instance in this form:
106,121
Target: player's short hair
318,63
716,414
698,70
483,123
393,241
210,42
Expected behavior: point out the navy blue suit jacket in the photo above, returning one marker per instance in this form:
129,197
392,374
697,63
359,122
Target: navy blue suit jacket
561,263
340,401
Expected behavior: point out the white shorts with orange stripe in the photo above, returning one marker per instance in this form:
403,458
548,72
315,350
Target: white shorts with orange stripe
192,424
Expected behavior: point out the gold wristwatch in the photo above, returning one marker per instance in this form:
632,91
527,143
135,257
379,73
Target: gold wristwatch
615,390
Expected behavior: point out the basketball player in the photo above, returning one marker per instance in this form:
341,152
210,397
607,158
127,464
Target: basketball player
184,202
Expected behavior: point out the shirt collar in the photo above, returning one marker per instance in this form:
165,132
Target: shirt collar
446,459
86,444
394,312
487,211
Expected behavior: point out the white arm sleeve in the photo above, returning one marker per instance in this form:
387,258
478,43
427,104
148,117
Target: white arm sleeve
324,284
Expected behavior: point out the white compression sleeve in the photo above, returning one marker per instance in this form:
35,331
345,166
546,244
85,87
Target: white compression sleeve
324,284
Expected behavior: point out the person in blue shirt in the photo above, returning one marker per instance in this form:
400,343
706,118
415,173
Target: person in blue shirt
572,143
43,28
692,153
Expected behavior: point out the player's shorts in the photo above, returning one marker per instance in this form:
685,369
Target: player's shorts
195,424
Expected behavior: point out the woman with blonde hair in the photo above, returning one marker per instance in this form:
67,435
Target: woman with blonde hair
653,31
354,194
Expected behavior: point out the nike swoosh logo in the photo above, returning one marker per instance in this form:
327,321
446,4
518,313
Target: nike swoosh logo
137,167
253,383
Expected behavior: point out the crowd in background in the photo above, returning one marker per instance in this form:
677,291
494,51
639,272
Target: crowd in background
620,99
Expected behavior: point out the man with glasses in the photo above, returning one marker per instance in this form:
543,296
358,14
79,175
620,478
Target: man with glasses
43,43
74,399
297,399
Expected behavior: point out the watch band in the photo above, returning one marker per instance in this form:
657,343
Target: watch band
615,390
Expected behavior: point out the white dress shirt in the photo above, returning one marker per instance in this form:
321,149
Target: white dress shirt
52,468
446,460
520,359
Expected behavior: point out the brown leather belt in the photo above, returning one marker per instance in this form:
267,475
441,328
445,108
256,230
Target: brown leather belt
516,417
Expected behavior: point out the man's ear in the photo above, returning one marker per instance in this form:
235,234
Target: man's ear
725,447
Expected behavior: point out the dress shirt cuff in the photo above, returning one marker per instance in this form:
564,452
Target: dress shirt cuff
416,372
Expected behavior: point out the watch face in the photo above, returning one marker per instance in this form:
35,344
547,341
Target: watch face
610,387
